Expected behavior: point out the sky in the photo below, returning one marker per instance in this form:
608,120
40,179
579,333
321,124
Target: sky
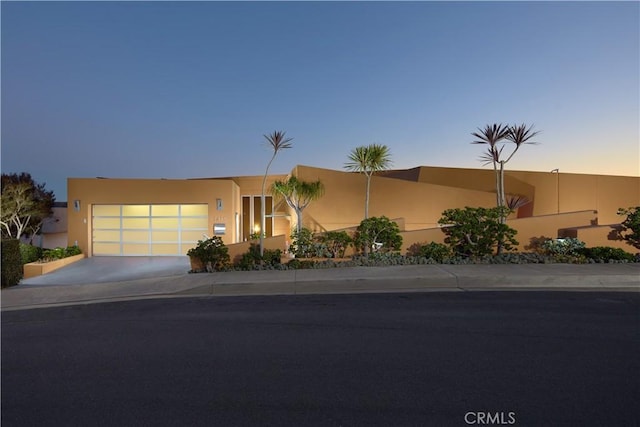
188,89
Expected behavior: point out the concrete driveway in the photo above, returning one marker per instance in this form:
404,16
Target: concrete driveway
113,269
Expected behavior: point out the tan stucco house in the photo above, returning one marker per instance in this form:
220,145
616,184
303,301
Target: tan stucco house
123,217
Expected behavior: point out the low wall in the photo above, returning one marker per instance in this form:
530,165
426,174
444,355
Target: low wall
426,235
550,226
276,242
34,269
582,224
601,235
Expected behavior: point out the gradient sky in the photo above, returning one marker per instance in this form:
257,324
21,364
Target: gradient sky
183,90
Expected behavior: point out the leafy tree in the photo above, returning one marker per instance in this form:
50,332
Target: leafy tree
25,205
378,230
298,194
368,160
276,141
475,232
631,226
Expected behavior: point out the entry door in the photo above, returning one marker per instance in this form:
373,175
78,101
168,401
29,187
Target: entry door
158,229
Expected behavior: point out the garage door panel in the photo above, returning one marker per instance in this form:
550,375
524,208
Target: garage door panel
135,223
164,210
106,210
135,236
106,248
135,249
192,235
165,236
99,223
135,210
106,235
148,229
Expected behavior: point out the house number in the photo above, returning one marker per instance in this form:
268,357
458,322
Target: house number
220,219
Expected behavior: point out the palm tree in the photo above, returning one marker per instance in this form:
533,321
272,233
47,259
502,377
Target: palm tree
277,142
298,194
369,159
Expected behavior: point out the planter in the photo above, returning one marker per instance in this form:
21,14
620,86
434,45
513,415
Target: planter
196,264
34,269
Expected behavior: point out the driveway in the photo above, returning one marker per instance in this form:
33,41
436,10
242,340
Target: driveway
112,269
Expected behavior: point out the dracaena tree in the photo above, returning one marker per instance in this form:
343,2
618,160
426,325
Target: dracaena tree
276,141
368,160
496,136
298,194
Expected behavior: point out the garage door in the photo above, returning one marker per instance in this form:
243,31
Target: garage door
126,230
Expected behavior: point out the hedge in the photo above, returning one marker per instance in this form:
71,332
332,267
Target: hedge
11,263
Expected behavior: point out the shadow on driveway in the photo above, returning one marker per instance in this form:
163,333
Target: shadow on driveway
113,269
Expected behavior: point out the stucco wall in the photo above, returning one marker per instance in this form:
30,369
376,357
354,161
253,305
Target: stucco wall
420,204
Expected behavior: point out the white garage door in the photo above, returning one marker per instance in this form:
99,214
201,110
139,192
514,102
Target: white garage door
126,230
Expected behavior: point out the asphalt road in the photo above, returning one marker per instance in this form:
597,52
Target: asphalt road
423,359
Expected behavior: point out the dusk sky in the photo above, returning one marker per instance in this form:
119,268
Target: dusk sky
186,90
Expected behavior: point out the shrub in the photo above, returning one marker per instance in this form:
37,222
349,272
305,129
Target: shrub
435,251
72,250
11,263
251,260
607,254
272,257
60,253
296,264
631,226
336,242
569,246
476,232
379,230
212,253
302,243
30,253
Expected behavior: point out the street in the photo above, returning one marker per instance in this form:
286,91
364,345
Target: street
413,359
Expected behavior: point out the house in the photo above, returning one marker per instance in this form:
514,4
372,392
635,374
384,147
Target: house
128,217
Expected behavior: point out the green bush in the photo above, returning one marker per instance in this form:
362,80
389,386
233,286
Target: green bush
476,232
251,260
296,264
336,242
607,254
377,230
60,253
435,251
631,226
72,250
272,257
568,247
30,253
11,262
302,243
213,253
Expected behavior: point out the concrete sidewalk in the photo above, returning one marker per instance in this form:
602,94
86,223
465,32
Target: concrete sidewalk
418,278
